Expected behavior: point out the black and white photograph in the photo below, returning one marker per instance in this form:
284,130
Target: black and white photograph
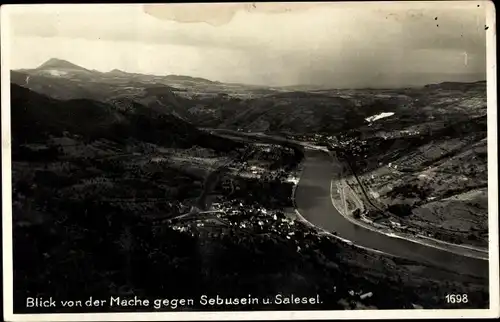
266,160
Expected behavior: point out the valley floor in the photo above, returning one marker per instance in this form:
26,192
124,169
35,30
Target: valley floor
114,226
129,199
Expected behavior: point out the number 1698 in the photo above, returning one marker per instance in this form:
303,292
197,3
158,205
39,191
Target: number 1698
456,298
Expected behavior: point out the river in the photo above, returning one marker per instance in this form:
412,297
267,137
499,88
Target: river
312,197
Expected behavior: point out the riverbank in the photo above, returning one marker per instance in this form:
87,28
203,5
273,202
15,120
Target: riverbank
342,195
296,215
358,253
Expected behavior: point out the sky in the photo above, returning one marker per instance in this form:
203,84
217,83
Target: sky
343,45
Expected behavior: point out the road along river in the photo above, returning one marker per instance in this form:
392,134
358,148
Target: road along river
313,202
312,197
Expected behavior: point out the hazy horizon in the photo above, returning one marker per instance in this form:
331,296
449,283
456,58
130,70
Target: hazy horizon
215,80
401,44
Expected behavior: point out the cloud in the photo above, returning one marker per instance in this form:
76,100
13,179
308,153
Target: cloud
279,43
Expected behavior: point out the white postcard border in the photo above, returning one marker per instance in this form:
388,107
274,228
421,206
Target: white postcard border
492,312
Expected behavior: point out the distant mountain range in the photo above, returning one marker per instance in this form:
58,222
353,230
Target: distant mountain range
63,66
206,103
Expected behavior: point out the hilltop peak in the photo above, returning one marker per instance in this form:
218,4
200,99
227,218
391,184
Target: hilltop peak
188,78
56,63
117,71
